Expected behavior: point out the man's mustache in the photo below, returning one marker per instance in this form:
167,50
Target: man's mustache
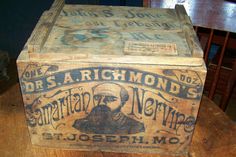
99,114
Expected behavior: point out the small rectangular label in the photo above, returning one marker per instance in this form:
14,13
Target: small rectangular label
149,48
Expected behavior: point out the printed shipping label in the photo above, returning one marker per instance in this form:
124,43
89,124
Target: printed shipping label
150,48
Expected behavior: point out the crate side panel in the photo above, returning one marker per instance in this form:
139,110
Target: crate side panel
111,107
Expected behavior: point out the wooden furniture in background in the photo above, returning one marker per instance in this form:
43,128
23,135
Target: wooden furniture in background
212,14
229,87
215,16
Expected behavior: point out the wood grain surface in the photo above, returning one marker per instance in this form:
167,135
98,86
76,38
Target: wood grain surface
215,14
115,79
106,30
214,135
161,112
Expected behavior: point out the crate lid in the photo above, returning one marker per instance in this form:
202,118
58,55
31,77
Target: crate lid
119,34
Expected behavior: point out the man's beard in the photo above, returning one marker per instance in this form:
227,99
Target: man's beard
100,121
100,115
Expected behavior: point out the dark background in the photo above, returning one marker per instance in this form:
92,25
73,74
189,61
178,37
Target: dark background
19,17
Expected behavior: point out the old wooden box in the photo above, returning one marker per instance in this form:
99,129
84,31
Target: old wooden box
118,79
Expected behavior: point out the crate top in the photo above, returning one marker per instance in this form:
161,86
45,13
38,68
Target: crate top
86,30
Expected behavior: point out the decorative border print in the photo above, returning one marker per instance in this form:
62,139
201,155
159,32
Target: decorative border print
111,108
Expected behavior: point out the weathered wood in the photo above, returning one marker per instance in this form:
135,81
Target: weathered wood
188,30
44,26
214,134
114,79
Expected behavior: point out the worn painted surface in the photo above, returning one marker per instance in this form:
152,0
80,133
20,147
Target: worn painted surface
116,79
111,107
214,134
97,29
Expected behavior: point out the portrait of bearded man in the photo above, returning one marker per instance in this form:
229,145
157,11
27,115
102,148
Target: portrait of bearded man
106,117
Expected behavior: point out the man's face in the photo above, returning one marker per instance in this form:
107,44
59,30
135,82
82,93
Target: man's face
107,94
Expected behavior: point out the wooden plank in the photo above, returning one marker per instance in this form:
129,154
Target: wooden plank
115,26
145,127
209,42
216,76
44,27
219,18
213,136
189,32
147,60
113,79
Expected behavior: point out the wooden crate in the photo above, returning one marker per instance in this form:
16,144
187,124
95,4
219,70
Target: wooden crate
117,79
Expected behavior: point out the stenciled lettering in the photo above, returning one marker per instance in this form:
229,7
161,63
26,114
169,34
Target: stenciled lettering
153,106
124,75
156,140
66,104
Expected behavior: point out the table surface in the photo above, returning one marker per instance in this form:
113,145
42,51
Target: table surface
215,14
214,134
